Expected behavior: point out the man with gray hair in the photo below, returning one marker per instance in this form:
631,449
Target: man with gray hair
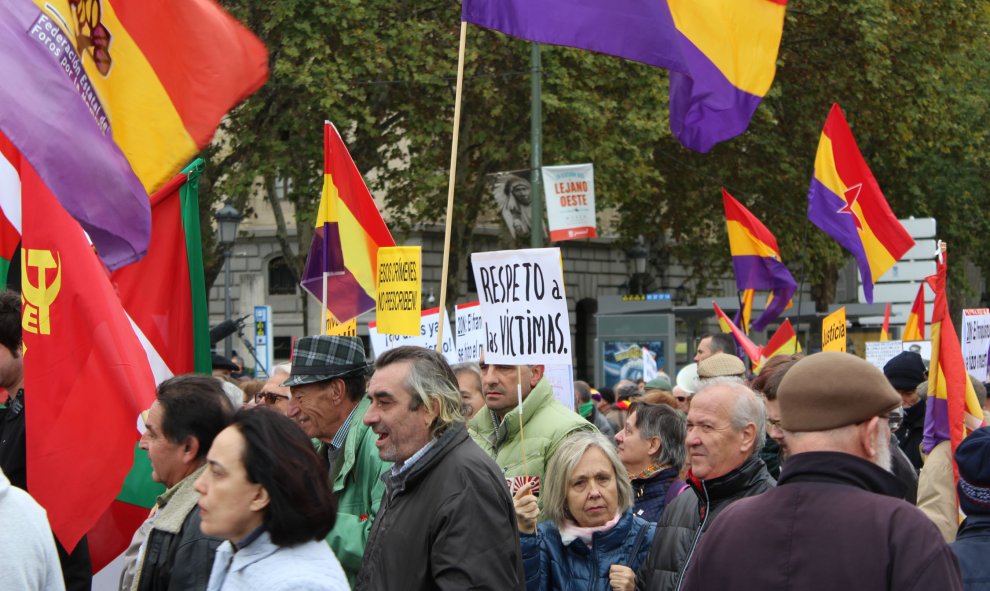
725,431
273,394
447,520
836,519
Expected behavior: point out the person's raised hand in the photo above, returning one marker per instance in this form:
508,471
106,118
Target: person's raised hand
527,509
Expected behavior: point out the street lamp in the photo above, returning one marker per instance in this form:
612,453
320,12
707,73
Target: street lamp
228,219
636,257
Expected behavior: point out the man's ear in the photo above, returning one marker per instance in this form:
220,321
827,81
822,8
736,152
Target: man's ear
867,437
190,449
535,375
749,437
654,447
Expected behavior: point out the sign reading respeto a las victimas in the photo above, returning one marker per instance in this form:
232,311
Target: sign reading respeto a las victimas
523,306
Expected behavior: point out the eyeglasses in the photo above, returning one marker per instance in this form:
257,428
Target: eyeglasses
774,423
269,397
895,419
681,398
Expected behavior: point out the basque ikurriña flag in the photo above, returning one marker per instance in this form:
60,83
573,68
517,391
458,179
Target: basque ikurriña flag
756,259
845,202
349,232
160,74
85,371
722,54
952,409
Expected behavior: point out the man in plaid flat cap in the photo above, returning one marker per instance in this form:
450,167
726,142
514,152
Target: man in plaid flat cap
327,388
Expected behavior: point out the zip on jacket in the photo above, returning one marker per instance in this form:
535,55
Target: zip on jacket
706,505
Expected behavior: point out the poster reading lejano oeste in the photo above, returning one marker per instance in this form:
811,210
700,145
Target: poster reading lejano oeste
570,197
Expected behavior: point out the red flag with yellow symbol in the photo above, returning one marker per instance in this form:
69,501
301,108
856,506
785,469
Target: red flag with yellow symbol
86,375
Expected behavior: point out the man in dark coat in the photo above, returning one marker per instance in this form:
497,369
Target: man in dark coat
446,520
835,519
973,540
905,372
726,427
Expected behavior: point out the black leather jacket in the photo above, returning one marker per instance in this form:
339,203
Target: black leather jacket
687,518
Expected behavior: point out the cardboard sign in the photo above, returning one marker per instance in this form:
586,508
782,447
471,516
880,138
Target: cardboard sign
975,335
426,337
523,306
834,331
880,352
340,329
570,198
470,329
399,290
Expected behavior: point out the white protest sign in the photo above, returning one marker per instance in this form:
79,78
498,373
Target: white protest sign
523,306
880,352
427,337
570,198
561,378
975,335
470,331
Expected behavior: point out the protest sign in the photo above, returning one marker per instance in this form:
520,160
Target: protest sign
834,331
399,290
923,348
570,197
523,306
561,378
975,335
340,329
470,331
880,352
426,337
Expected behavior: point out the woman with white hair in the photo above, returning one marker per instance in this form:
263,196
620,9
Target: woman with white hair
590,539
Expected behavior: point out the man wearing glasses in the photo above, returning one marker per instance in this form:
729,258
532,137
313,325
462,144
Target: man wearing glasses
273,394
836,519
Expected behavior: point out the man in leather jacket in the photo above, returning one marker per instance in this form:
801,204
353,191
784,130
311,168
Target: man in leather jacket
726,427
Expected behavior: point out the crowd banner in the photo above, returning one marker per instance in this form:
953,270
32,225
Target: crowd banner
426,337
337,328
880,352
976,341
399,290
570,199
561,378
834,331
523,306
470,331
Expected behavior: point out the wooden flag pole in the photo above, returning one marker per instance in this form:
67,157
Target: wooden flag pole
522,437
450,185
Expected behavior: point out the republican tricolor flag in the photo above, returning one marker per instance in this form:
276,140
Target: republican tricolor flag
845,202
914,328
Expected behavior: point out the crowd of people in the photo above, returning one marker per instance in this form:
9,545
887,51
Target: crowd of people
411,474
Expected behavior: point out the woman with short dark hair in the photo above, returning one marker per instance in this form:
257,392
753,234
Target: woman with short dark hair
266,492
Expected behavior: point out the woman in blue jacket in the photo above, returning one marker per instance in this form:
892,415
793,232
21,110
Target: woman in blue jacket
590,540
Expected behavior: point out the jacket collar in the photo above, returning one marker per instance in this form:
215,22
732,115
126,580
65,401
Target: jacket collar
975,525
451,438
355,434
612,538
729,485
259,548
498,432
841,468
176,503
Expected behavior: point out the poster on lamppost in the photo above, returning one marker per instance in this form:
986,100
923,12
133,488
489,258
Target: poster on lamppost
570,198
425,337
399,290
975,337
470,331
523,306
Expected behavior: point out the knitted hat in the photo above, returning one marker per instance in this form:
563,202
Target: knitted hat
829,390
658,383
721,365
321,358
973,459
687,378
905,371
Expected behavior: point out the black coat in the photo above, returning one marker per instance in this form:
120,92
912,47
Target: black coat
178,561
650,495
446,523
834,521
972,546
911,433
688,517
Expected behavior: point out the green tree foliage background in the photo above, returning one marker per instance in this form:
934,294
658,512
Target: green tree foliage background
913,78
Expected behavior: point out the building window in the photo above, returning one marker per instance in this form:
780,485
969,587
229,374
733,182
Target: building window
282,188
280,279
282,348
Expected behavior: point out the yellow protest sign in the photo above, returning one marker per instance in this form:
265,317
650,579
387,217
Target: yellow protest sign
399,290
834,331
340,329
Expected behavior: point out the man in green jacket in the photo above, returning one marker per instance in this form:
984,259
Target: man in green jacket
545,421
327,386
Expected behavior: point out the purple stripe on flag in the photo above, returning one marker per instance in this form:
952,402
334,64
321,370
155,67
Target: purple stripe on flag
48,121
638,30
823,207
347,299
936,422
764,273
705,108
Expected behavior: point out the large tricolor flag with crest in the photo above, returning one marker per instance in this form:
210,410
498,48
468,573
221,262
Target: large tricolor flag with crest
721,54
756,259
159,74
952,410
845,202
349,232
